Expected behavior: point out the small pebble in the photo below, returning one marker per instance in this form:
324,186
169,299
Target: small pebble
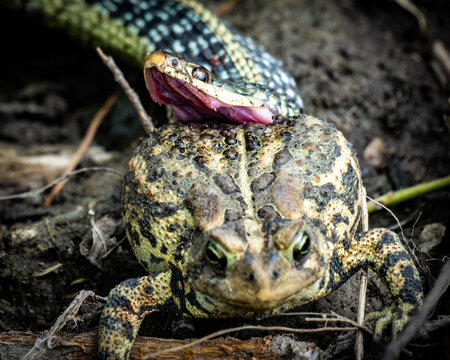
375,152
431,236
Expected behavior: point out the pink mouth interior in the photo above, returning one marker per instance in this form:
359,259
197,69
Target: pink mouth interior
190,104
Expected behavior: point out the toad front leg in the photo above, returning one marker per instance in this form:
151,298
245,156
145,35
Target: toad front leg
128,304
381,250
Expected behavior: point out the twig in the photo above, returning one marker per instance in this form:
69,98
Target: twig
395,197
425,270
249,327
45,342
332,316
114,247
47,270
393,349
433,325
440,62
441,54
412,232
336,319
415,11
84,346
38,191
359,343
350,321
303,313
84,145
382,206
131,94
415,215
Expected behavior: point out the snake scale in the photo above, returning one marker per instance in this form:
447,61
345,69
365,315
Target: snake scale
129,29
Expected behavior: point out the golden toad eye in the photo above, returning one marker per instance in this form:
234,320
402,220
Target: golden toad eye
215,255
301,246
201,73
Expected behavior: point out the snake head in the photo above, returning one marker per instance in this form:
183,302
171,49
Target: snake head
194,94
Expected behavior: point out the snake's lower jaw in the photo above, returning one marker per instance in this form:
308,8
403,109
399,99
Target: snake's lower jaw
190,104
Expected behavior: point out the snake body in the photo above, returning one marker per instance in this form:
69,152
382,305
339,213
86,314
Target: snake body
130,29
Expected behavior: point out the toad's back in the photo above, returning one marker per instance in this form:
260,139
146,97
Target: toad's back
299,168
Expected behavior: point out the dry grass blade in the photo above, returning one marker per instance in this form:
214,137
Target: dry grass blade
359,343
84,145
38,191
415,11
440,62
324,317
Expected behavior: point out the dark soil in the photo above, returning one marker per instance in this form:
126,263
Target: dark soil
360,64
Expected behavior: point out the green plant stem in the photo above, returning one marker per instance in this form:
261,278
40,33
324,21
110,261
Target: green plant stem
395,197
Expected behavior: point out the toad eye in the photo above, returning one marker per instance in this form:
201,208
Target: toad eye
201,73
216,255
301,246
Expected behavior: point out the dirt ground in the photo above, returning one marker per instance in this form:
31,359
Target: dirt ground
360,64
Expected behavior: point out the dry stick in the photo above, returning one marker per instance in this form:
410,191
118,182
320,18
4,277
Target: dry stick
433,325
250,327
395,197
359,326
359,343
332,316
45,342
414,10
336,319
84,145
97,119
393,350
441,54
40,190
114,247
407,220
146,120
440,62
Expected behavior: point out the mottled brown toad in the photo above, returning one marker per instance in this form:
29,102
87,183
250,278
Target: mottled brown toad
238,220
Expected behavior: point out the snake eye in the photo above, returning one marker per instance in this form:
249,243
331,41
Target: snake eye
216,256
301,246
201,73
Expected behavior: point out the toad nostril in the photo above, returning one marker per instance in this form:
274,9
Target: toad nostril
275,274
249,276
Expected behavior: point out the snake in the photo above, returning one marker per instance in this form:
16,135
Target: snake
131,29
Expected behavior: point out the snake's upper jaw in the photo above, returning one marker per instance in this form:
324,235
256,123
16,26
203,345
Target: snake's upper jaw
190,103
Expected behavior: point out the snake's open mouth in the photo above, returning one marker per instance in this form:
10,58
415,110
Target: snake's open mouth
189,103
